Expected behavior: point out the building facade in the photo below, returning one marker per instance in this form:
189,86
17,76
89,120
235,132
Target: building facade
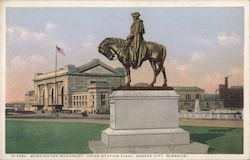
188,95
233,96
15,106
30,101
76,89
87,87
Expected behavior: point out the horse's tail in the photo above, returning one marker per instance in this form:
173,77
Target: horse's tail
164,54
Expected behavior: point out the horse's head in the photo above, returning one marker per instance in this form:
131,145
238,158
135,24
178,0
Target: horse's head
105,49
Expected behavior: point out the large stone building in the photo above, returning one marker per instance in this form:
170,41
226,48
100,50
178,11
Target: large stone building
233,96
77,89
87,87
188,95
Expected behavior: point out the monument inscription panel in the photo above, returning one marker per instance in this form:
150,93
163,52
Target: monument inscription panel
156,109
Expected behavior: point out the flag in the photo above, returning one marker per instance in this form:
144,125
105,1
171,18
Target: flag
60,50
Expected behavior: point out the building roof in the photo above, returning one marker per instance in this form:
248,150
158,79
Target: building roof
95,63
14,104
212,97
30,93
188,88
236,87
93,68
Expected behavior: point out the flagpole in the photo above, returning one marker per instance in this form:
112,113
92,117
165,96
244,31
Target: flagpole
55,77
56,94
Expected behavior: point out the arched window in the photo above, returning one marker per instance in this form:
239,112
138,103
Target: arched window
52,96
43,97
62,95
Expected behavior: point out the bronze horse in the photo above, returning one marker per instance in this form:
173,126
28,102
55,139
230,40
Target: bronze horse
155,53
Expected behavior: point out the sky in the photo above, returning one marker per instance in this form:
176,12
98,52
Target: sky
204,44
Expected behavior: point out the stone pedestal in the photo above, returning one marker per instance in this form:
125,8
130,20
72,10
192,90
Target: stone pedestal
145,121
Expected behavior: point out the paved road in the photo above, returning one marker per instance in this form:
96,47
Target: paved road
188,122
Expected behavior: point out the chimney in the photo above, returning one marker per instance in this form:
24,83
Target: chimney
226,83
226,103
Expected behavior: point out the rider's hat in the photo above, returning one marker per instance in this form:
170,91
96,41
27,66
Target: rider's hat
136,14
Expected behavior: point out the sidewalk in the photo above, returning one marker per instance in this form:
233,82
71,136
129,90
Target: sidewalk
182,122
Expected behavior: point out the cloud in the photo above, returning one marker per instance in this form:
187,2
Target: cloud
19,33
177,74
49,26
90,41
20,73
205,42
236,75
20,40
196,71
206,67
225,40
197,57
26,52
201,75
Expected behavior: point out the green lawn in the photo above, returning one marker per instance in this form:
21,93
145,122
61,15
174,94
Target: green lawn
50,137
68,137
220,140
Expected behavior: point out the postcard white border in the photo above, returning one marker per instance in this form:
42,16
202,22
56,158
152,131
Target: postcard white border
125,3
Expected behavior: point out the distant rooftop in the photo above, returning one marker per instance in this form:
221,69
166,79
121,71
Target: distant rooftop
30,93
237,87
212,97
188,88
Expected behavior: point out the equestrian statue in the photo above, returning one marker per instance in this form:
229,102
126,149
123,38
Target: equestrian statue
133,51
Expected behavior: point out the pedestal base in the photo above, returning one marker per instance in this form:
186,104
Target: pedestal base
192,148
145,121
144,137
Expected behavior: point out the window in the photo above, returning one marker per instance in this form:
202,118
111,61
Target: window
74,103
188,96
197,96
103,103
93,96
103,96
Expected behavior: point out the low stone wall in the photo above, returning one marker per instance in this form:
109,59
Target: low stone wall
210,115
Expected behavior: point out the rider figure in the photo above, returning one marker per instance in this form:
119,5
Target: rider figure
135,40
